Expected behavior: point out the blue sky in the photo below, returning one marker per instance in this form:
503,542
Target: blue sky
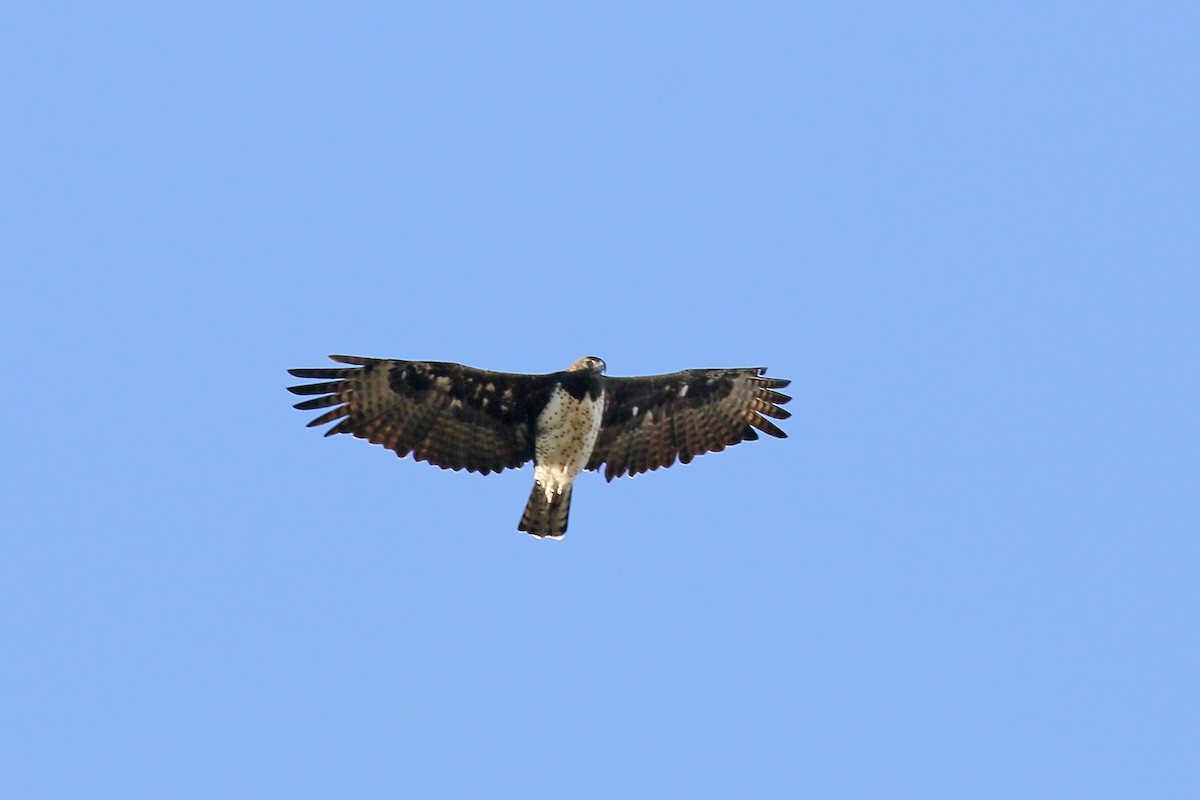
967,233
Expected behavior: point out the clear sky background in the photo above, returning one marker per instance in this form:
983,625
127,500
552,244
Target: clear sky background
967,232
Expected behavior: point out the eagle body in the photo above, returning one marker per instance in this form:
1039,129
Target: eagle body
459,417
565,435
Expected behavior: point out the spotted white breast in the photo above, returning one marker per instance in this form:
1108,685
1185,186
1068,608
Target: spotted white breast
566,434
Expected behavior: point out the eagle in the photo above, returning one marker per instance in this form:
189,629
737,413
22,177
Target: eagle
458,417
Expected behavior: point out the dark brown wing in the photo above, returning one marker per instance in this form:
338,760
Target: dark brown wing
649,422
453,416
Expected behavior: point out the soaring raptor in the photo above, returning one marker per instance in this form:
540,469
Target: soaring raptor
460,417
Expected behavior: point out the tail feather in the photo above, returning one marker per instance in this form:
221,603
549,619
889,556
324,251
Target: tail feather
544,517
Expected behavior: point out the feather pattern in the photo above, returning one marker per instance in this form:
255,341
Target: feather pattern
649,422
452,416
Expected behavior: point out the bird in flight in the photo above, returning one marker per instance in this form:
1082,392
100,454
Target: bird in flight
459,417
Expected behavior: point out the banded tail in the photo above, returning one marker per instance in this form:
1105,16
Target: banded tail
544,517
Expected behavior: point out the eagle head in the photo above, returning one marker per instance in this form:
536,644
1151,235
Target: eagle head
593,363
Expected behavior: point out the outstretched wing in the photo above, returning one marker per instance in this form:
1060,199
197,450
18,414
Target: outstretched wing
649,422
452,416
